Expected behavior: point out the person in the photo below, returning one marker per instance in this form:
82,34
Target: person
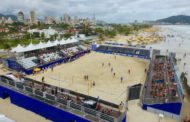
121,105
102,64
108,111
43,79
52,92
114,74
145,70
56,91
98,107
43,87
184,55
183,96
184,64
109,64
121,79
103,111
129,71
98,98
112,69
52,68
93,83
78,99
185,119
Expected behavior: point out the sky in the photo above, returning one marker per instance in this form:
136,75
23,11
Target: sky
112,11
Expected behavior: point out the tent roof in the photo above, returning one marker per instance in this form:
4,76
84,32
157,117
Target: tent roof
41,45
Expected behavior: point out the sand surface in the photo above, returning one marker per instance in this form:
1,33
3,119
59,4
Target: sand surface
142,37
108,87
19,114
137,114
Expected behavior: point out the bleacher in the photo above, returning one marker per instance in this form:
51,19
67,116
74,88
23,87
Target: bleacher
132,51
39,57
162,88
50,57
161,85
28,62
60,97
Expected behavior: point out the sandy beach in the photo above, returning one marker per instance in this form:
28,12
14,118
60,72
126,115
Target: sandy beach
142,37
19,114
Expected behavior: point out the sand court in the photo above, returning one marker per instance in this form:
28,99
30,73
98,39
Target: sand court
100,69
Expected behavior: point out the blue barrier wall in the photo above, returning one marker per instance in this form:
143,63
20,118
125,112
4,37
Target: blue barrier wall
126,54
174,108
15,66
125,119
94,46
38,107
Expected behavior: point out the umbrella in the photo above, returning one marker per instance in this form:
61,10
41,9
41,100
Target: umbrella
37,69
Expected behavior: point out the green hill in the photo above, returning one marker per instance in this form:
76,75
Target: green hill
180,19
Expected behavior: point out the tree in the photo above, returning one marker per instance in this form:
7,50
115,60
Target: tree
7,47
42,35
101,37
55,35
36,35
67,35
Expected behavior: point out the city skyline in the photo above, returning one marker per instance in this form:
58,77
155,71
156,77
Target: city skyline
119,11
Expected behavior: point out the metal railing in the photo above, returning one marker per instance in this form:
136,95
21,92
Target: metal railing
55,101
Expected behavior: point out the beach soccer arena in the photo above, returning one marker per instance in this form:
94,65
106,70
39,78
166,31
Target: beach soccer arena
100,69
106,76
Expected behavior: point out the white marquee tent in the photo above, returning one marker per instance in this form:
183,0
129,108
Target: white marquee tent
41,45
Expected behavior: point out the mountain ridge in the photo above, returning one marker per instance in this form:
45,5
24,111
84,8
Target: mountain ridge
13,17
178,19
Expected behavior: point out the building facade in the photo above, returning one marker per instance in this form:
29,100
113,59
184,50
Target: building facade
33,17
20,17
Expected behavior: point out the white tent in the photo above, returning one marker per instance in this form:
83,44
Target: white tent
41,45
19,47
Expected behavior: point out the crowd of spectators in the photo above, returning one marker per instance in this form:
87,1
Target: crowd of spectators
77,99
43,56
163,85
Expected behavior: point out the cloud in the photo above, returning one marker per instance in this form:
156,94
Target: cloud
107,10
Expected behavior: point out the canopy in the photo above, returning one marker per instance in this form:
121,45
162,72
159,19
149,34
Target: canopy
41,45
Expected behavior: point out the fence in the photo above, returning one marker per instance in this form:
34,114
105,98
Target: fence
167,114
33,99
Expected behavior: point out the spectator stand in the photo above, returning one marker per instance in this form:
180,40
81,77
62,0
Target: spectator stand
57,104
162,91
138,52
44,58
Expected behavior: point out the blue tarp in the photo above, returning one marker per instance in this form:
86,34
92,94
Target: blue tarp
174,108
126,54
